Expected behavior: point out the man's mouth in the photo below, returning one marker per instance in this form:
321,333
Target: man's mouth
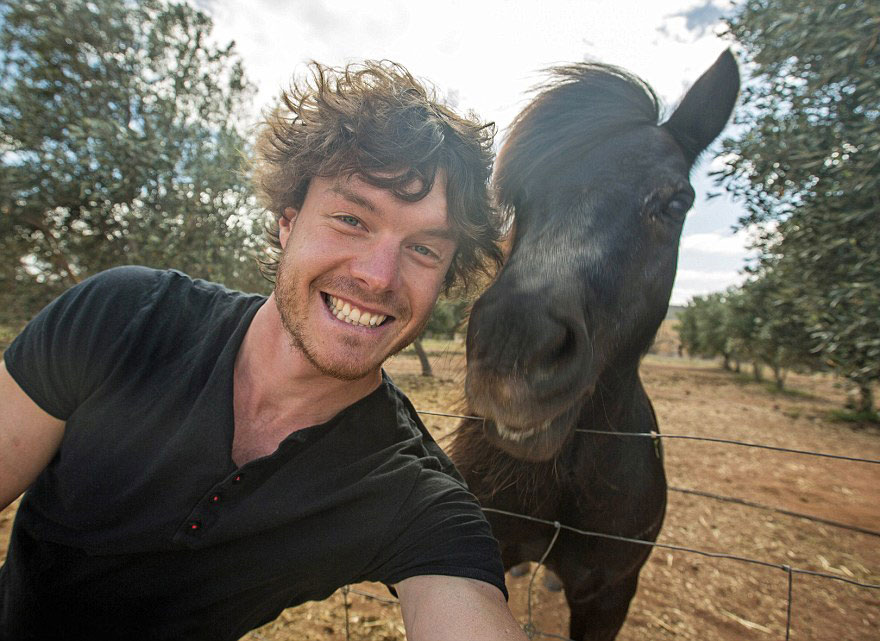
345,311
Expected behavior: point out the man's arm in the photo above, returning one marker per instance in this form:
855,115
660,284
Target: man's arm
448,608
29,438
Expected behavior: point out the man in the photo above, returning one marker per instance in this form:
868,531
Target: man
198,459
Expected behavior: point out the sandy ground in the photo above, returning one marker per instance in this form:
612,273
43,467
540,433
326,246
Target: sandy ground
683,595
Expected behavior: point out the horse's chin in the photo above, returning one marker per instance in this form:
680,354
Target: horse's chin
536,443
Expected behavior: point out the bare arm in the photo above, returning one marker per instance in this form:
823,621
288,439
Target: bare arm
447,608
29,437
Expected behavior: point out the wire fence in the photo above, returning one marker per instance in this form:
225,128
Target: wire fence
532,631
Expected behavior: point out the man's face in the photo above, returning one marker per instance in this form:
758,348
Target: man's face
360,273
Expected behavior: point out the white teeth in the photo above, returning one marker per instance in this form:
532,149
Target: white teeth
352,315
518,435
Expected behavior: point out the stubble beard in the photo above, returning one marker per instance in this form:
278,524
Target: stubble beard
344,368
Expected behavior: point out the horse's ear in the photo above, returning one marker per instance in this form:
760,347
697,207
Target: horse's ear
705,108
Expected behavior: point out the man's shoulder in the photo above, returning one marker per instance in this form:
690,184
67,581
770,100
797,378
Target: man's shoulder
128,280
120,290
173,291
140,308
126,275
139,279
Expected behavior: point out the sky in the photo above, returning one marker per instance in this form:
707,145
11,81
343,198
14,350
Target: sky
485,56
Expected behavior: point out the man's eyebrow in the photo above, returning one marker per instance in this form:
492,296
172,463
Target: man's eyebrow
442,233
353,197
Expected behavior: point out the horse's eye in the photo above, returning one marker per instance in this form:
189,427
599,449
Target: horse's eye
679,205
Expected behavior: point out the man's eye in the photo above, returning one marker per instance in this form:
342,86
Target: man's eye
424,251
348,220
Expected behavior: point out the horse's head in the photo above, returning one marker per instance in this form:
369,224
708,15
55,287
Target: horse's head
599,193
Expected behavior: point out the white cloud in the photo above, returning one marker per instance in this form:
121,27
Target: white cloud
710,262
712,278
692,282
718,243
491,56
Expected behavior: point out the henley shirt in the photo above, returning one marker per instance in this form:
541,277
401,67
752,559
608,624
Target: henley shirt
142,526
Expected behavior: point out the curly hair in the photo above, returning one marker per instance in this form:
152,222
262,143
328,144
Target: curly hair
375,120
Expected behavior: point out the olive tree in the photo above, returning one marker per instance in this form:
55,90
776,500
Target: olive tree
121,141
805,164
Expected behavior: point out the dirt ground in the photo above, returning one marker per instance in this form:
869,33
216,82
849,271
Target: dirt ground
683,595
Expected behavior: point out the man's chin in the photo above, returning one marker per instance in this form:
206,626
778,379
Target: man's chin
342,371
339,367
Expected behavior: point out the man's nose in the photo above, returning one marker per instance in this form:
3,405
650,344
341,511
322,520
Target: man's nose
378,266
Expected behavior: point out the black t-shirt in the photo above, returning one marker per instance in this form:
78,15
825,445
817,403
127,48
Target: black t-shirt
143,527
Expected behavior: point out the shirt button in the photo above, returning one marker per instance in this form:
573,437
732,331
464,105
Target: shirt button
215,498
194,526
237,478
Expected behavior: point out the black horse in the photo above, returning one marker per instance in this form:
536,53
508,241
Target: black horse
598,192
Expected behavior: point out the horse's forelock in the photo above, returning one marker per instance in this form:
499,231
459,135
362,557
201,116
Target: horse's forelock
580,106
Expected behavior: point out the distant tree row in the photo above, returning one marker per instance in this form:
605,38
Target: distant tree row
805,162
751,324
768,323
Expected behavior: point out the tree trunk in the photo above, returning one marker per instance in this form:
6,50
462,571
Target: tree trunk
757,371
423,357
866,398
737,366
779,376
726,363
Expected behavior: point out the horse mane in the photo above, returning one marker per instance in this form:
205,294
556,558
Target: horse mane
580,106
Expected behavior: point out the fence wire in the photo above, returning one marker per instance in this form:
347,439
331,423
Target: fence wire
690,437
779,510
726,441
681,548
532,631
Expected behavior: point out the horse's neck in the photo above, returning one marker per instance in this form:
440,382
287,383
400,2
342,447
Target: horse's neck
621,407
617,396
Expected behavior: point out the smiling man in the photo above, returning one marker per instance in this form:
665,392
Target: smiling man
198,459
396,255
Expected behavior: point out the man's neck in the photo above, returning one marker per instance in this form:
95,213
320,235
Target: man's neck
276,384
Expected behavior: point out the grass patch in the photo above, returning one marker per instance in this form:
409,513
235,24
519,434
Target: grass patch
851,416
769,385
686,361
791,392
744,378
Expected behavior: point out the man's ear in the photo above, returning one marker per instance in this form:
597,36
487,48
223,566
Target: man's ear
285,225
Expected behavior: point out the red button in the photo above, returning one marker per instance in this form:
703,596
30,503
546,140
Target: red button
237,478
215,498
195,525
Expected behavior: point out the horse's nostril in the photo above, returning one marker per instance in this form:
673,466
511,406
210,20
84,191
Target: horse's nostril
569,343
561,348
532,337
